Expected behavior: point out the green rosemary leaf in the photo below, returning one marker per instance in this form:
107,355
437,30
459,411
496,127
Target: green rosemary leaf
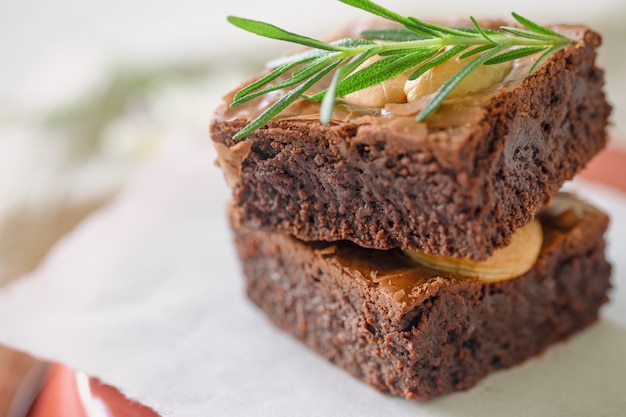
480,30
535,27
477,50
297,57
417,25
342,44
271,31
447,87
379,71
313,67
271,76
356,62
525,33
473,30
451,31
514,54
297,77
547,53
398,52
346,70
328,103
372,74
392,35
284,102
438,60
349,43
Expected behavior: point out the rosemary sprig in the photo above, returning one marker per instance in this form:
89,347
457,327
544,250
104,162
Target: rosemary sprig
417,46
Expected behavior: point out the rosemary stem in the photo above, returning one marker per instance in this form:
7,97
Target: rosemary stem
474,41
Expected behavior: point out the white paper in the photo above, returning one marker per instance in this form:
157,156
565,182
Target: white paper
147,295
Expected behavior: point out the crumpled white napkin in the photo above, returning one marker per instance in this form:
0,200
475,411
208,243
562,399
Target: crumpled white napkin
147,295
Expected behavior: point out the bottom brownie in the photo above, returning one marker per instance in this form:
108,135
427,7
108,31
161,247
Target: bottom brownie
419,333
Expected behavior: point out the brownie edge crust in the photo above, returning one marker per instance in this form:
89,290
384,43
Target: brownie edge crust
420,333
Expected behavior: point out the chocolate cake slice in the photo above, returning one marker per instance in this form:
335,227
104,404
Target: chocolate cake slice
417,332
458,184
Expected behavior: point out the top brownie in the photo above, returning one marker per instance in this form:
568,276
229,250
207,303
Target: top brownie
458,184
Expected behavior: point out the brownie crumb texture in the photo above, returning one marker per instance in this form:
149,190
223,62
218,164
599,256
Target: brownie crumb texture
432,337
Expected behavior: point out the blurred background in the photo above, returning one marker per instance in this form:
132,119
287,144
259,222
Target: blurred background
93,91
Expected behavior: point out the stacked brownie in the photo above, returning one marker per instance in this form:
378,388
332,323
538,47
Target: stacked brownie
327,220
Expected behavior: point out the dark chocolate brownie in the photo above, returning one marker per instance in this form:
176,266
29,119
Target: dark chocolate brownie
419,333
457,185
